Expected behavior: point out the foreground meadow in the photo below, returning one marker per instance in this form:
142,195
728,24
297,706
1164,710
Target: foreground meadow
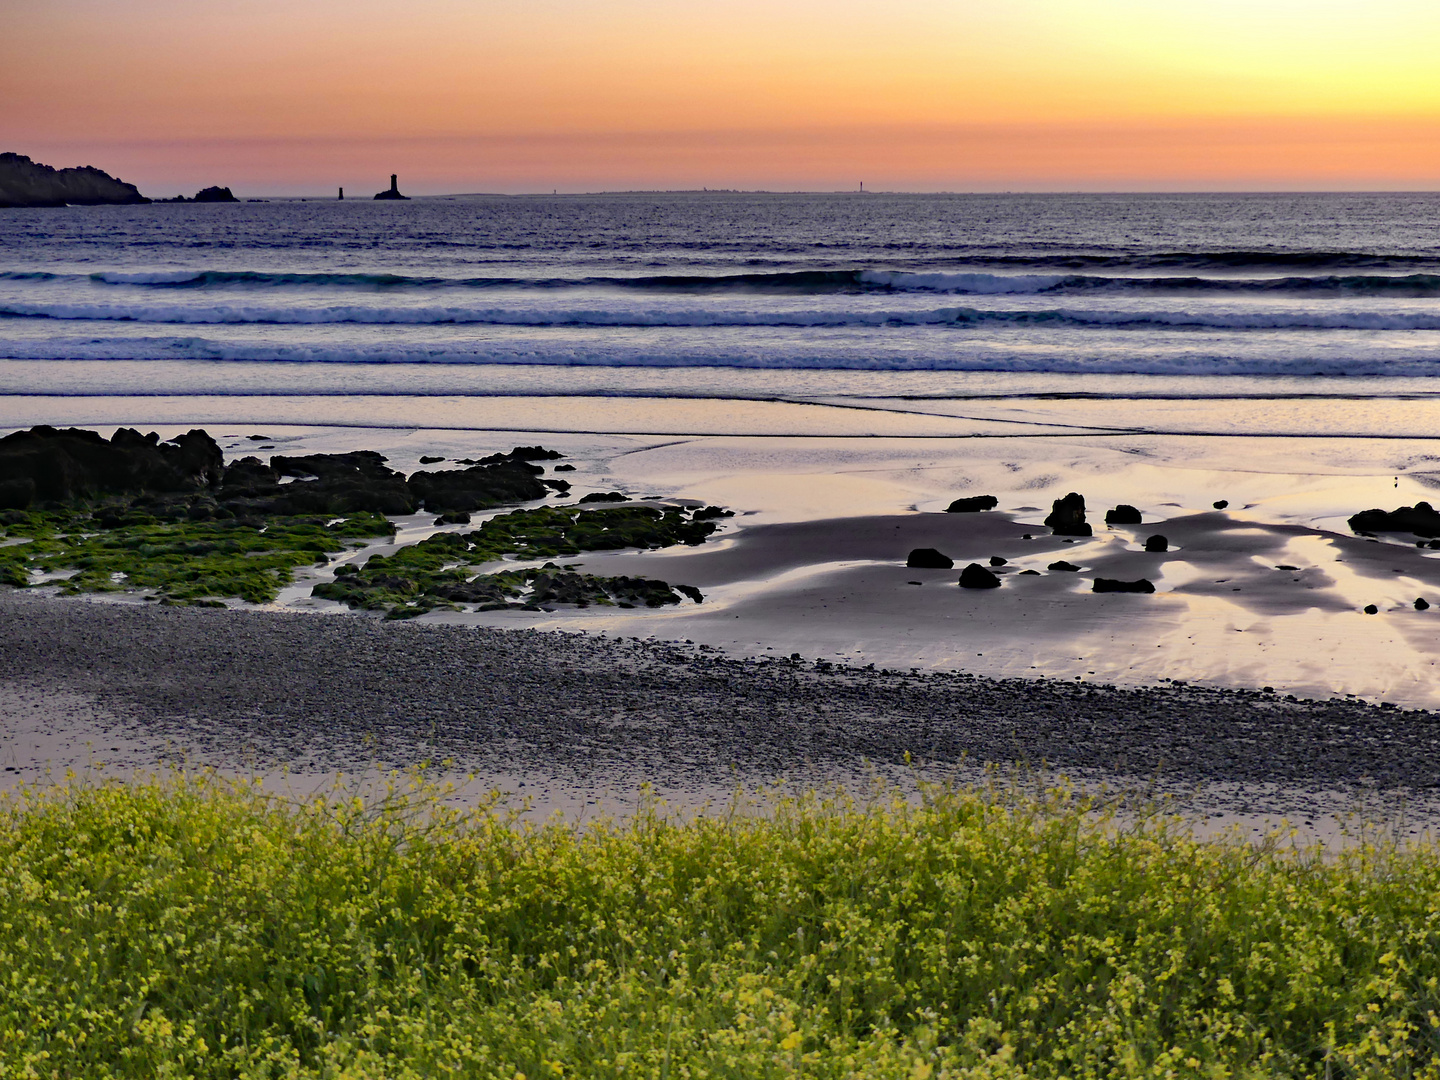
201,928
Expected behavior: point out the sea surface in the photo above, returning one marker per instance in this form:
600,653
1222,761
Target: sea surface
328,307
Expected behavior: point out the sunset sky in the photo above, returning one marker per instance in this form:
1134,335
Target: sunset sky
299,96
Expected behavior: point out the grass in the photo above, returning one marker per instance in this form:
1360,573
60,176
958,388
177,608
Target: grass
201,928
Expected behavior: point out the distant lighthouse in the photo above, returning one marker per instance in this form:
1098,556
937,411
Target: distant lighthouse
394,192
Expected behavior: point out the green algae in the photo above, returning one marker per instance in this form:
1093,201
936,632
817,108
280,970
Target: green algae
181,562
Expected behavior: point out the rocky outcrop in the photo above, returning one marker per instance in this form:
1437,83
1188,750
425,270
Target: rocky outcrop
973,504
50,465
1420,519
1063,566
929,559
1067,517
505,479
215,194
1124,514
26,183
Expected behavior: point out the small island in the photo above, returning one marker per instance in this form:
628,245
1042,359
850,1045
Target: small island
207,195
394,192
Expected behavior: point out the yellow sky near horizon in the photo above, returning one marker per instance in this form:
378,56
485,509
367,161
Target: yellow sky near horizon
962,94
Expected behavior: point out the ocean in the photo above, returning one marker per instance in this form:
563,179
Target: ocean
324,307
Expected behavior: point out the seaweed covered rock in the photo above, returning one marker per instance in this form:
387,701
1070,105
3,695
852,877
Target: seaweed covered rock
973,504
1421,519
47,465
1067,516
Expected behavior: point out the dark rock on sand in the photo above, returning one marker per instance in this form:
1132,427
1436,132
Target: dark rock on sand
973,504
458,518
564,468
1420,519
1421,604
1067,518
340,484
1220,504
998,560
929,559
1029,573
710,513
604,496
1103,584
1371,609
430,459
499,479
1124,514
1157,544
50,465
26,183
1062,565
976,576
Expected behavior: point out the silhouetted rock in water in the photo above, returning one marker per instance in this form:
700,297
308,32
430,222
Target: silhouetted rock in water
26,183
394,192
1420,519
564,468
1123,514
976,576
49,465
1157,544
1421,604
998,560
1105,584
1220,504
929,559
1068,567
973,504
605,496
214,194
1029,573
1067,518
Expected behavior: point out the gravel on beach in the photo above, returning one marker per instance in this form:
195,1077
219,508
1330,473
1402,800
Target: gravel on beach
342,692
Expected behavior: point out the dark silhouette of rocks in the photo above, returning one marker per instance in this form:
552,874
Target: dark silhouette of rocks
1371,609
1220,504
929,559
26,183
215,194
973,504
1105,584
1124,514
1067,518
51,465
509,480
1420,519
976,576
1068,567
998,560
394,192
1157,545
1421,604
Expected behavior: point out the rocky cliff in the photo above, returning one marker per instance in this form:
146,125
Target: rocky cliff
27,183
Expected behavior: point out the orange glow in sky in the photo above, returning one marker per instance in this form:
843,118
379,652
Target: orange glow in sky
299,96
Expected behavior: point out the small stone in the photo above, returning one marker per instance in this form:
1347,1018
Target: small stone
1220,504
1063,565
1421,604
976,576
996,560
1029,573
1371,609
1157,544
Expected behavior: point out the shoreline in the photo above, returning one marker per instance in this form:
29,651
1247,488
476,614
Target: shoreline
578,722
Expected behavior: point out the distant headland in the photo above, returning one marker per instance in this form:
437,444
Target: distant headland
28,183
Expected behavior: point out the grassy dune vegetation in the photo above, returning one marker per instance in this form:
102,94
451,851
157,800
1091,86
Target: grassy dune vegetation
198,928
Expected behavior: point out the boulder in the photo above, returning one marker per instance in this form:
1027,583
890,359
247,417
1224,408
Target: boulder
604,496
1220,504
1067,517
973,504
1068,567
1157,544
1124,514
976,576
1420,519
1421,604
28,183
1103,584
929,559
998,560
51,465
